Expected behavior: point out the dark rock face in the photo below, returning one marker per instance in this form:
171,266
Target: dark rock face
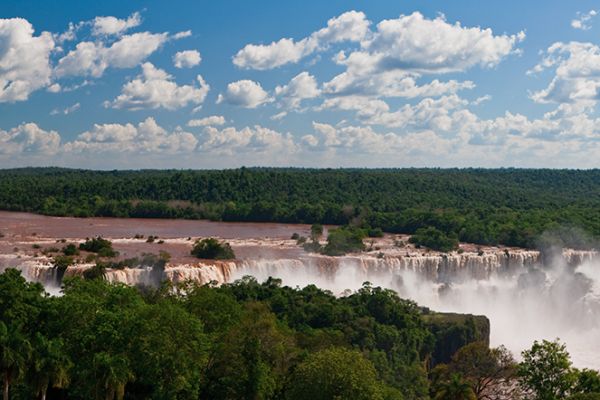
453,331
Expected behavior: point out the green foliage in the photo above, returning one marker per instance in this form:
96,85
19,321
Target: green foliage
375,233
455,389
344,240
508,206
98,271
100,246
588,381
316,231
21,305
434,239
61,263
243,340
485,370
335,373
453,331
585,396
70,250
546,370
212,249
50,366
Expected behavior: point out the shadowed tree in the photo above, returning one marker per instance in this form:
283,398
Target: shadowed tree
546,370
335,373
485,369
15,351
114,373
588,381
253,359
50,366
455,389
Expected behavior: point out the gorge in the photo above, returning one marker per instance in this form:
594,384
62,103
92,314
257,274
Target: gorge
526,294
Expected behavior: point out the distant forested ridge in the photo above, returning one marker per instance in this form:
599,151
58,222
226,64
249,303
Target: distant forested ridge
498,206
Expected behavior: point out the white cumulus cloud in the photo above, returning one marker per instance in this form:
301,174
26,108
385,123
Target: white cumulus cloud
29,139
146,137
182,34
24,60
93,58
154,88
115,26
577,74
186,59
302,86
207,121
257,139
349,26
244,93
399,50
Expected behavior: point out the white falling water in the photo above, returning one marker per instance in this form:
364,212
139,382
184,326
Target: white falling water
524,300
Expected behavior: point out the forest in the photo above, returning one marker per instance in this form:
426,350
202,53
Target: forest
515,207
251,340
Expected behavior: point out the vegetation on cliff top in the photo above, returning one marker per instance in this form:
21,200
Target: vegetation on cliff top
212,249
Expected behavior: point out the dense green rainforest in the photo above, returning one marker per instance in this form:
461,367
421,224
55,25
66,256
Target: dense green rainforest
259,341
243,340
517,207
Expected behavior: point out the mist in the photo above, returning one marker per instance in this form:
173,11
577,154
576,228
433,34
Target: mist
554,300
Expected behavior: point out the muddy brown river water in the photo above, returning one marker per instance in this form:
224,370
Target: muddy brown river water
25,224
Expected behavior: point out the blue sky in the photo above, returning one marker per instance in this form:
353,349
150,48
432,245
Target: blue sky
198,84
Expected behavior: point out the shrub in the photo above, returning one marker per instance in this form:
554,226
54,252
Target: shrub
212,249
100,246
61,263
70,250
316,231
344,240
98,271
375,233
313,247
434,239
49,250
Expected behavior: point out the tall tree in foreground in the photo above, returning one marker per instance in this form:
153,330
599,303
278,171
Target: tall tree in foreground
50,366
335,373
20,304
487,370
15,351
546,370
114,373
455,389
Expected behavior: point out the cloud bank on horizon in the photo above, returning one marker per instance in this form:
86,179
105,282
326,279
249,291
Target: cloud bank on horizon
411,89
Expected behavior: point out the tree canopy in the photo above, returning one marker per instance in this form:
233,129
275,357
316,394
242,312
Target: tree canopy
244,340
517,207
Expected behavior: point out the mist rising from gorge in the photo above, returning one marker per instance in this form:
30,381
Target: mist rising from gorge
530,303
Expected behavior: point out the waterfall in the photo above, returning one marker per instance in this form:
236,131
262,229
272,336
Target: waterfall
434,267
